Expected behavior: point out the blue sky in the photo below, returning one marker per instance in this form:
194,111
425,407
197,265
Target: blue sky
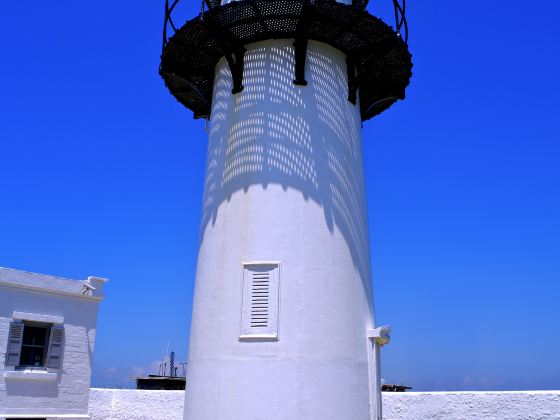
101,173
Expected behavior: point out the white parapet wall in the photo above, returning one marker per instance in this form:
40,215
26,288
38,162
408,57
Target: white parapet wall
135,404
519,405
168,405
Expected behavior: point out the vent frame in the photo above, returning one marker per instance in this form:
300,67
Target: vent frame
260,301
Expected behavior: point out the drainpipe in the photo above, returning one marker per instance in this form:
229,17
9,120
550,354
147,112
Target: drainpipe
378,337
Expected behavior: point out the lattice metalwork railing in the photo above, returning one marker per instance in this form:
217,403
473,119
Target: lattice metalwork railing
401,24
379,65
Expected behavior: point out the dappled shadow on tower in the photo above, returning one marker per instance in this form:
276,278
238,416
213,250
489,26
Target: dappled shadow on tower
277,143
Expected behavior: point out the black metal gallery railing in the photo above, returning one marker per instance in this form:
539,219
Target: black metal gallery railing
378,62
399,6
400,19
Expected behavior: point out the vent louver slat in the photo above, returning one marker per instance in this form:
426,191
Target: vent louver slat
260,301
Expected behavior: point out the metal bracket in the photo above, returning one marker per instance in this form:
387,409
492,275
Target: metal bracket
233,49
235,62
193,88
300,47
300,52
381,335
352,80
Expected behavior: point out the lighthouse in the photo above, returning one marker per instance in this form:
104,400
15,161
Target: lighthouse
283,320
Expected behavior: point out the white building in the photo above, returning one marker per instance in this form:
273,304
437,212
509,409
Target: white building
47,333
283,296
283,322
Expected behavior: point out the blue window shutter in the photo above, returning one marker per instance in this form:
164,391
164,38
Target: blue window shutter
15,338
54,357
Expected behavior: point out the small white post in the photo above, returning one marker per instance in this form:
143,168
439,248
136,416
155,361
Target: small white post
379,337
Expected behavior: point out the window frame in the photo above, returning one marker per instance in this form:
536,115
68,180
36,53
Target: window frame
53,349
44,361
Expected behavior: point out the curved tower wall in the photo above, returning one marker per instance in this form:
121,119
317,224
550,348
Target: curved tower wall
284,183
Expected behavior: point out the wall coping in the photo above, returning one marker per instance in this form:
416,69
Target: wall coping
135,404
424,393
49,284
32,375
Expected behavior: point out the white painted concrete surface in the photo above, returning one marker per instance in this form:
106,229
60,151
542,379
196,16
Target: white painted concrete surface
129,404
284,182
527,405
58,393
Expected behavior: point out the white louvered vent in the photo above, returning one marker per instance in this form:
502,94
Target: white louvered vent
259,318
260,290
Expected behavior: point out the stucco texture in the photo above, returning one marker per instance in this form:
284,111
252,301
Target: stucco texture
168,405
472,405
61,392
134,404
284,183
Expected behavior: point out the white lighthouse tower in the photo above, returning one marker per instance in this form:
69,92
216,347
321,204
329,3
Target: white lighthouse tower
283,320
